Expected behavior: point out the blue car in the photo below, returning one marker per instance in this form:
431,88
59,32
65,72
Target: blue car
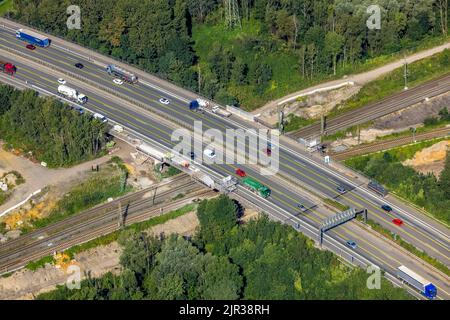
386,208
351,244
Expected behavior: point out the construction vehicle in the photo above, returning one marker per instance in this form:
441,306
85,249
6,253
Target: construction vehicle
256,187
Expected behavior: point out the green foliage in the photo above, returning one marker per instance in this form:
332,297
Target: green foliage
95,190
425,191
295,122
48,128
259,260
5,6
34,265
283,46
217,217
418,72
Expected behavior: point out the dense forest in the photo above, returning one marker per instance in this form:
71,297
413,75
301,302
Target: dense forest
260,50
261,259
426,191
48,129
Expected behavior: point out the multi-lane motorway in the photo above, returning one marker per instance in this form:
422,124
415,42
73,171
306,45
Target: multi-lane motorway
300,169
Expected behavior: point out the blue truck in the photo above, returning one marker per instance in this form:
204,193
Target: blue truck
424,286
33,38
197,105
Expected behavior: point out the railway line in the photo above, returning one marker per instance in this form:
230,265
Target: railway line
21,251
378,109
388,144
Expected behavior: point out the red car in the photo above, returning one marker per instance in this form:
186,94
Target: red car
397,221
240,173
30,46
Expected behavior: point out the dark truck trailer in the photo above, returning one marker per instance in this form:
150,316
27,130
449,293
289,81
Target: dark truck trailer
33,38
121,73
7,67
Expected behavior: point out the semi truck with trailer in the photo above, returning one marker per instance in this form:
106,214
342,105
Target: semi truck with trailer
196,106
7,67
121,73
256,187
424,286
72,94
33,38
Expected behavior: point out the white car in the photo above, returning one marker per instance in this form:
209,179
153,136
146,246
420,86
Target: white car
100,117
164,101
118,81
209,153
61,81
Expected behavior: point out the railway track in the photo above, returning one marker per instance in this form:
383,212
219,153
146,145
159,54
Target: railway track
378,109
88,214
19,255
388,144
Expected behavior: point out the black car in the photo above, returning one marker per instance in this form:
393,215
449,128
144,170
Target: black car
341,189
78,109
192,155
386,208
79,65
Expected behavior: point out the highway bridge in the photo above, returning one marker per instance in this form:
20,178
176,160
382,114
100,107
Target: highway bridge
300,174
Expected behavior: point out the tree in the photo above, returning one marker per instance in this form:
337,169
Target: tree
216,217
444,180
139,251
333,46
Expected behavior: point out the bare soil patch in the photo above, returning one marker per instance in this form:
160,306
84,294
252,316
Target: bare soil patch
430,160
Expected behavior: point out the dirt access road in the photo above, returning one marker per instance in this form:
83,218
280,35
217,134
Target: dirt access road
361,78
38,177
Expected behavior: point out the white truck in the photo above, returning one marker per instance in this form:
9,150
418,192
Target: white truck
220,111
72,94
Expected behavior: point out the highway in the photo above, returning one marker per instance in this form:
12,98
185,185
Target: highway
298,168
377,109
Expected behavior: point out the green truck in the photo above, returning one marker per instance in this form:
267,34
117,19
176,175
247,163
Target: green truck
255,186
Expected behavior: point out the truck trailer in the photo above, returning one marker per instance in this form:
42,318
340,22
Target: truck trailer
220,111
425,287
72,94
257,187
33,38
7,67
121,73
